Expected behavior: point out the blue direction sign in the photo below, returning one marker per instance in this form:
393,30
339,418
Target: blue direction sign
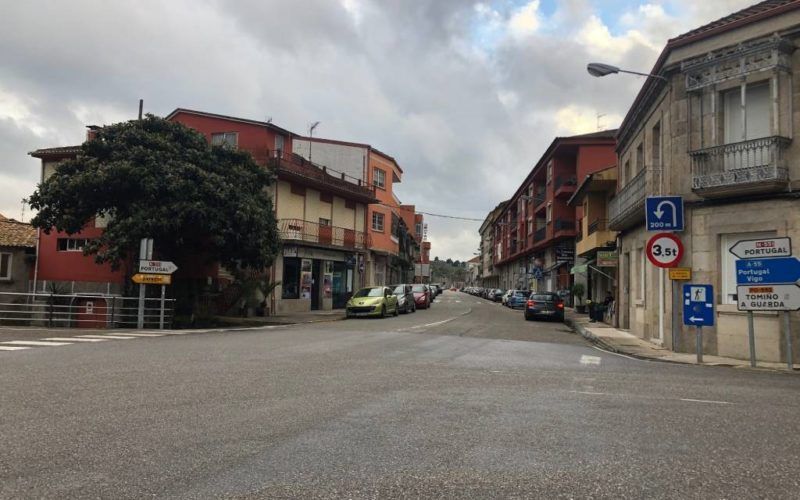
768,271
664,213
698,305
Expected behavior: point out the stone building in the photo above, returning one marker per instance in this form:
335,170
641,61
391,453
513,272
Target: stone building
716,126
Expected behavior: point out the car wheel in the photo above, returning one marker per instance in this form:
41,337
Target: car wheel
396,310
383,310
527,317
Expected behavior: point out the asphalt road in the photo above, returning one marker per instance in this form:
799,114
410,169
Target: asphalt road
466,400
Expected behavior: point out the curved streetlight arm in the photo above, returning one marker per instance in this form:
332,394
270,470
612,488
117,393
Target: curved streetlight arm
644,74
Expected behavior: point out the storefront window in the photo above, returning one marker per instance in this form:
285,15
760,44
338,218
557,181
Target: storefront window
291,278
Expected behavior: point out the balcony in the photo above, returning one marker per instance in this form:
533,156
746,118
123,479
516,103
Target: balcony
626,209
564,187
312,233
597,225
295,168
540,235
597,236
741,168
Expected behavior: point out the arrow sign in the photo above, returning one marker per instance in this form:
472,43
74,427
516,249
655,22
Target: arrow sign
157,267
768,298
152,279
763,248
767,271
664,213
698,305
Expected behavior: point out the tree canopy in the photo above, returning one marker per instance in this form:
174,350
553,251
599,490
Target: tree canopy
152,178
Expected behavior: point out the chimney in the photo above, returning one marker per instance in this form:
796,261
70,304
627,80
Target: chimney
91,132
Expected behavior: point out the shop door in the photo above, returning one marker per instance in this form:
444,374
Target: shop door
316,277
339,290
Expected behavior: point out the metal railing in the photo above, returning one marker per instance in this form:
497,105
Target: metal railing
297,165
83,310
312,232
597,225
628,203
740,163
540,234
565,181
564,225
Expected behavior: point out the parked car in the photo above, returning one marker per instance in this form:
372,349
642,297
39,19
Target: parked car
497,295
372,301
518,299
505,296
544,305
422,298
405,298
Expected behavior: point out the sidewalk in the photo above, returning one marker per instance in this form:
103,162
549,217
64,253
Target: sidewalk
284,319
622,342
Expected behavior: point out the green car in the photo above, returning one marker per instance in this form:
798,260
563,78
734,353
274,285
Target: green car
373,301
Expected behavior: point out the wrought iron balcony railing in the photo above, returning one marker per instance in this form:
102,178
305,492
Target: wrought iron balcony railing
540,234
315,233
597,225
626,208
757,165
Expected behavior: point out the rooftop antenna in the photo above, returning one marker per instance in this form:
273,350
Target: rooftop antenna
311,135
269,119
599,115
22,215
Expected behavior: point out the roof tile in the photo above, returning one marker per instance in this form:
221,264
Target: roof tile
16,234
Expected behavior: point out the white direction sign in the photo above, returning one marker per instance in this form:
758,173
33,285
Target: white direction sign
768,297
763,248
157,267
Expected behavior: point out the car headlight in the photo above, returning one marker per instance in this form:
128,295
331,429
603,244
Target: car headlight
401,300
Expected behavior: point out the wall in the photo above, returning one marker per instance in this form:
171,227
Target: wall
350,159
21,269
252,137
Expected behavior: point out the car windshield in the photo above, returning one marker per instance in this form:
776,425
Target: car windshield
418,288
399,290
542,296
520,293
369,292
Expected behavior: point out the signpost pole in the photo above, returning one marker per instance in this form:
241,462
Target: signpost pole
676,315
699,338
661,304
161,314
751,333
788,327
142,287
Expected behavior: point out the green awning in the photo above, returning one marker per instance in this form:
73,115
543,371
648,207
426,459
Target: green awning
581,269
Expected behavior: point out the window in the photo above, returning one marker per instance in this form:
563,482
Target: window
377,221
418,229
655,154
627,171
549,212
227,139
379,178
728,262
278,143
291,278
5,266
746,113
324,222
326,197
639,157
549,171
71,244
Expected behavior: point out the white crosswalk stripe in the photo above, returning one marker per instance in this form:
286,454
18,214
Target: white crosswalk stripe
74,339
143,334
116,337
12,348
34,343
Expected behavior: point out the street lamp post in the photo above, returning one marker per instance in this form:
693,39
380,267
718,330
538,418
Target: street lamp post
601,69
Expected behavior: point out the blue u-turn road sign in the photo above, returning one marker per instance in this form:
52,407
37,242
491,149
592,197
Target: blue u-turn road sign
698,305
664,213
782,270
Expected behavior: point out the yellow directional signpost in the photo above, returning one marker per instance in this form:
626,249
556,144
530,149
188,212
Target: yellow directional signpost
152,279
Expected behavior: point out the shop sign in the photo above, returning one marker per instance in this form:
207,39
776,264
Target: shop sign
607,258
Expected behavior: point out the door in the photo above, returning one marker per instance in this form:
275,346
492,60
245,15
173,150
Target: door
625,309
340,294
316,280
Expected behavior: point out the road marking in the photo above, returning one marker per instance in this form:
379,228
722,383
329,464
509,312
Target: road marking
35,343
593,393
12,348
458,301
73,339
143,334
709,401
590,360
115,337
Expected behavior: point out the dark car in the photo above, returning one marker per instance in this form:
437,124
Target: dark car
422,296
517,299
405,298
497,295
544,305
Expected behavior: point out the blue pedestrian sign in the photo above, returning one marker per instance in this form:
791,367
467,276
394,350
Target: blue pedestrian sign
664,213
698,305
776,271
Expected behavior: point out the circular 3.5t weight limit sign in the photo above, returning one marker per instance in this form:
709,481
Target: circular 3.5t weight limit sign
664,250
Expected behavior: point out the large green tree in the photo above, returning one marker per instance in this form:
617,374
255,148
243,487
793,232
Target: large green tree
152,178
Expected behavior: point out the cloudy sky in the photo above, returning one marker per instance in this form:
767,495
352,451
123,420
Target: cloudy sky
465,94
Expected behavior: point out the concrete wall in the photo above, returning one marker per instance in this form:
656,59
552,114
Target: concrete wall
21,266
